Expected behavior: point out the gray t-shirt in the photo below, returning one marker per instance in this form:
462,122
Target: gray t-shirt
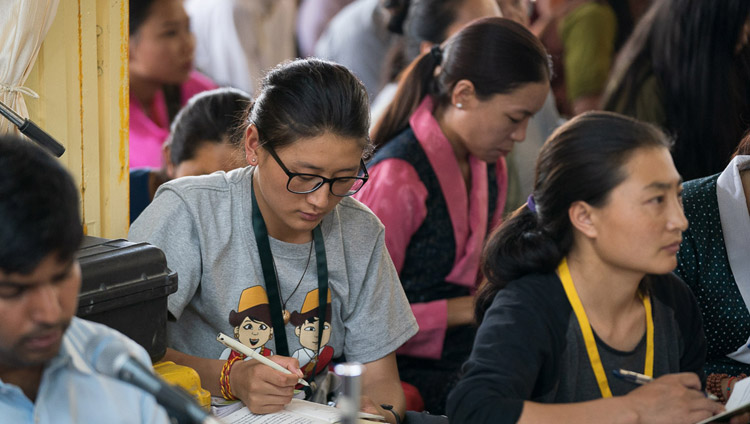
204,226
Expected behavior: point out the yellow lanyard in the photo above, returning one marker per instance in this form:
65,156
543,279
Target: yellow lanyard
588,334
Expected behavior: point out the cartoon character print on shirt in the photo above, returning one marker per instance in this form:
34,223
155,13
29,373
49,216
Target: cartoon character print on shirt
251,322
306,323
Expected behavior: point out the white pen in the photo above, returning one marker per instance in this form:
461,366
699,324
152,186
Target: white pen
632,376
642,379
239,347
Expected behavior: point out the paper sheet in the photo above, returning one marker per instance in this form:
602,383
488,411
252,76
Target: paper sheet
739,402
297,412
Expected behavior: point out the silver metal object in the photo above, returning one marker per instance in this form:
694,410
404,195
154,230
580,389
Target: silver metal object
351,374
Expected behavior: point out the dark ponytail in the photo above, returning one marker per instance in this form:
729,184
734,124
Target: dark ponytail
517,248
497,55
582,161
411,90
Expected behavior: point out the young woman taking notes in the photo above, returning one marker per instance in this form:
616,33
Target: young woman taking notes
280,256
579,285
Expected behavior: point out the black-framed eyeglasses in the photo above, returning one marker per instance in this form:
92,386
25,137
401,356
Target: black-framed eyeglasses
300,183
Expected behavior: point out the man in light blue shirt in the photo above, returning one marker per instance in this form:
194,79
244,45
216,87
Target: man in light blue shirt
44,375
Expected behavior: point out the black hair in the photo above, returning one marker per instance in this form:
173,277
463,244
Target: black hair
397,10
138,11
690,48
425,21
583,160
625,21
428,20
497,55
38,207
306,98
214,116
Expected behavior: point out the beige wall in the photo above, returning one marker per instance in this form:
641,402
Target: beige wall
81,76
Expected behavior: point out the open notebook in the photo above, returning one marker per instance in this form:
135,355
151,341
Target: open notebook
297,412
738,403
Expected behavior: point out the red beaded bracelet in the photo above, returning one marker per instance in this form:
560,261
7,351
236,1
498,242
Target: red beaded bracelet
226,389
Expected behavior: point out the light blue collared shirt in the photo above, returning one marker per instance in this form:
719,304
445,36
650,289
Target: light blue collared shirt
71,391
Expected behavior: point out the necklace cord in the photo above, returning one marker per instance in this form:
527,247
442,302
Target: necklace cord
276,273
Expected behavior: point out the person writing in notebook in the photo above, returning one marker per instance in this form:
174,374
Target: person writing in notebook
288,225
579,284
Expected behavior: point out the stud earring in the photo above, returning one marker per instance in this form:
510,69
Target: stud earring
460,105
253,160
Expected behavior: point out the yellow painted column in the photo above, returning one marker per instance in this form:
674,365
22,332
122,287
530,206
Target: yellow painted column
82,80
112,72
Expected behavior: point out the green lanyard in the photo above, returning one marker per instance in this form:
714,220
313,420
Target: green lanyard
272,285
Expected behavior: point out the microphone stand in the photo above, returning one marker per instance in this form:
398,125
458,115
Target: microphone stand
32,131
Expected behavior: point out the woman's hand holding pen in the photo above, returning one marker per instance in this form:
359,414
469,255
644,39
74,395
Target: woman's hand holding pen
673,398
262,388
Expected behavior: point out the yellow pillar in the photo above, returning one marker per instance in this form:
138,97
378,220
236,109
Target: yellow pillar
81,76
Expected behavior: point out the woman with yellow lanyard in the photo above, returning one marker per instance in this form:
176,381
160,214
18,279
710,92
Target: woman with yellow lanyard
579,285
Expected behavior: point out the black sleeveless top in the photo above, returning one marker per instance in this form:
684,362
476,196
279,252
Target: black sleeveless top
432,249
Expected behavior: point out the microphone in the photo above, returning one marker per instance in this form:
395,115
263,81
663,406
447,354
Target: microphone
32,131
110,356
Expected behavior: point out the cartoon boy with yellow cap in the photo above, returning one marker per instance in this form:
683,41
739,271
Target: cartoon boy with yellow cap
250,322
306,323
